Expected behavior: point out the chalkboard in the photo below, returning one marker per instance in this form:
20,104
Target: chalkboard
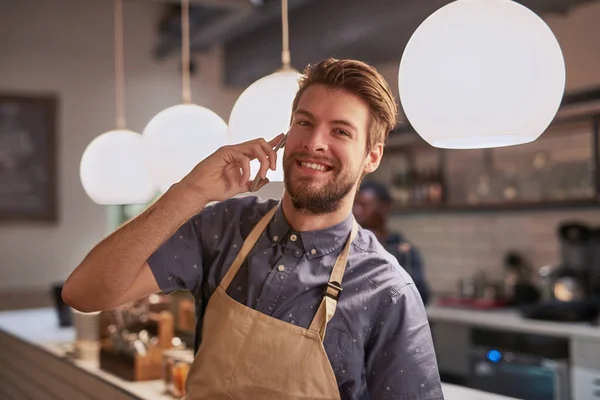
28,145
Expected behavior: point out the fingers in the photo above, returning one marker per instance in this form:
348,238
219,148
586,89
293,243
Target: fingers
244,162
261,150
258,151
268,149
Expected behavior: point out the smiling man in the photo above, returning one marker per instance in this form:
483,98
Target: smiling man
293,299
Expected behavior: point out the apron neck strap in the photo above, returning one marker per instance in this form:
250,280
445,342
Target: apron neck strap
337,274
333,289
246,247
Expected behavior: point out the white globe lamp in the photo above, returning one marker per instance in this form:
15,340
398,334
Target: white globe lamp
112,169
481,74
264,110
177,139
180,137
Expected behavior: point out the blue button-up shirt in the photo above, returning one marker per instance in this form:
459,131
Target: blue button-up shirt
379,342
410,259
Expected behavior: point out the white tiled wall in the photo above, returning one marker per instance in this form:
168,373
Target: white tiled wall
457,245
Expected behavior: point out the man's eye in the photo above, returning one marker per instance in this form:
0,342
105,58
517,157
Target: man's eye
342,132
303,123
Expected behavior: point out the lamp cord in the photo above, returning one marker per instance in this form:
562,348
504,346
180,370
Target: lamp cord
285,40
185,51
119,74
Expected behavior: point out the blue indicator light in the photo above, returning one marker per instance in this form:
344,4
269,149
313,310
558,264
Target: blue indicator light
494,356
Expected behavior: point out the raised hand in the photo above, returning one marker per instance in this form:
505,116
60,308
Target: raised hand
226,172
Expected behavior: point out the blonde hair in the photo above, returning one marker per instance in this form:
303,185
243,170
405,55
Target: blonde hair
361,80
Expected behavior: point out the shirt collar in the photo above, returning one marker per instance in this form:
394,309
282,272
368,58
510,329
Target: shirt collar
316,243
278,228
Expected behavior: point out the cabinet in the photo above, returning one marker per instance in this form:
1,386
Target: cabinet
559,169
585,369
452,344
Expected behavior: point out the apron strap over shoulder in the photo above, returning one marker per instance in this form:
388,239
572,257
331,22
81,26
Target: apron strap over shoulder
333,289
246,247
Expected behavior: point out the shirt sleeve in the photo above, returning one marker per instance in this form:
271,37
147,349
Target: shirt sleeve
400,358
418,274
178,263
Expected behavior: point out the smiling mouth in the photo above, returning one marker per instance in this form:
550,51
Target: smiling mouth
314,166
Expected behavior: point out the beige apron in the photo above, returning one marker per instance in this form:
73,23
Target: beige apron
248,355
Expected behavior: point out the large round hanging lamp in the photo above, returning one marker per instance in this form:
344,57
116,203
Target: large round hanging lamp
481,74
112,169
264,109
178,138
181,136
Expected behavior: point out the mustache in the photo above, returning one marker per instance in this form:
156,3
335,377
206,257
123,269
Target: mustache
317,157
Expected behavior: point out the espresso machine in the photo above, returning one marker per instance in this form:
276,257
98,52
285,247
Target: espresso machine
571,277
571,288
594,269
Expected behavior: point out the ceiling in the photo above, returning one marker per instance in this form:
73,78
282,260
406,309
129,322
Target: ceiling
375,31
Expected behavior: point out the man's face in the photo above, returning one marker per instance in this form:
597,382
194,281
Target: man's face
325,152
367,208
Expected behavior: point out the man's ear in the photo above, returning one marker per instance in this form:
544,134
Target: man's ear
374,158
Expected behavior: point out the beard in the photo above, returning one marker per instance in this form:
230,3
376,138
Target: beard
307,195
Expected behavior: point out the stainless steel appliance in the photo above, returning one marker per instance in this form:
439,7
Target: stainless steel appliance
524,366
570,288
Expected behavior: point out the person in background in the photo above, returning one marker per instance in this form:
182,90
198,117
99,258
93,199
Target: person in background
371,209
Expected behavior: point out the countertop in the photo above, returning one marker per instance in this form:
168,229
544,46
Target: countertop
511,320
39,327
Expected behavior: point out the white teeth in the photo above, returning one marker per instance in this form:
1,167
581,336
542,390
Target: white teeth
313,166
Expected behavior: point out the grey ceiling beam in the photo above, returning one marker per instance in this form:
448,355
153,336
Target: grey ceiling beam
375,31
233,4
233,21
336,28
241,23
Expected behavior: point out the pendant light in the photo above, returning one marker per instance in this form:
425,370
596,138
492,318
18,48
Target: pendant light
264,109
112,169
181,136
481,74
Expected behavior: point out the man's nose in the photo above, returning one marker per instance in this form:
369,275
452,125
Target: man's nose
316,141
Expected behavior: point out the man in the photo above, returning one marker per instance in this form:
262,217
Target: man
275,319
371,210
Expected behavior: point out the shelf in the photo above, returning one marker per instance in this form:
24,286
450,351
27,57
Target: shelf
559,170
507,206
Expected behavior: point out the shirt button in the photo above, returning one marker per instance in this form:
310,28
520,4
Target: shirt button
275,238
281,268
293,238
313,251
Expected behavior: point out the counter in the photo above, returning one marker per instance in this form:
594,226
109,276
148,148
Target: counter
452,328
34,365
511,320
